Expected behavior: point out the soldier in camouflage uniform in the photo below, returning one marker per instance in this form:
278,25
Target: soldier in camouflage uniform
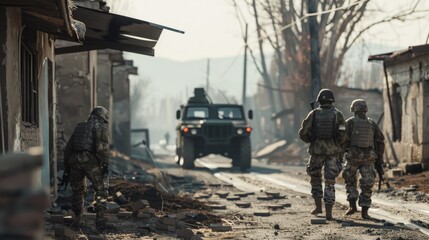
364,147
324,129
87,155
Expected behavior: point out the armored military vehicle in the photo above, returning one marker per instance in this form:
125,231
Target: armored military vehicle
207,128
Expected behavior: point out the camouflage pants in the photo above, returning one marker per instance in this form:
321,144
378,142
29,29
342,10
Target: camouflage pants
332,168
366,182
92,171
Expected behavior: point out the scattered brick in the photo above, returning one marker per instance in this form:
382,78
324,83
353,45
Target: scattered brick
222,194
272,193
140,204
220,228
217,206
185,233
318,221
233,198
243,204
394,173
262,213
264,197
275,206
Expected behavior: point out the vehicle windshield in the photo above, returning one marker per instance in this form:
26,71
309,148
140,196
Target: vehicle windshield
229,113
197,113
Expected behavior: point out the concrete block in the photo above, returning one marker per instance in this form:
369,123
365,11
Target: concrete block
275,206
217,206
140,204
318,221
394,173
411,168
185,233
148,210
222,194
241,194
112,207
168,221
264,197
272,193
243,204
220,228
119,198
233,198
262,213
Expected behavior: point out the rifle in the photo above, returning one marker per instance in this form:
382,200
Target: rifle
380,172
64,181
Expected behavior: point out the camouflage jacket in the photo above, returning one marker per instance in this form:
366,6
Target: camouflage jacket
378,137
326,147
101,141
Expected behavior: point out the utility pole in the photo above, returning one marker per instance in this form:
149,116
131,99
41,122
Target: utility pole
245,69
314,50
208,76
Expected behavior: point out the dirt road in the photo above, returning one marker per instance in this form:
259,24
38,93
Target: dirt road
289,216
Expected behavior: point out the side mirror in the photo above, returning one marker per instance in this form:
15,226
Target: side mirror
250,114
178,114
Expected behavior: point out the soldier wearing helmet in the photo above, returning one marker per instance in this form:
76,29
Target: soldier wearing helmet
324,128
87,155
364,147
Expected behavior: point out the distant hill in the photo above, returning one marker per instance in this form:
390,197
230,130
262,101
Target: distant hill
177,79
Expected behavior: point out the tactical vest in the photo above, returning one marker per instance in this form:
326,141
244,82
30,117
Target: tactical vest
362,134
83,137
325,121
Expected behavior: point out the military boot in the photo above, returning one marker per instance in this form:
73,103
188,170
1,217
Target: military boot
352,209
318,203
365,213
328,209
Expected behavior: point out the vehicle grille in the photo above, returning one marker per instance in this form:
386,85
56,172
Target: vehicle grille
217,132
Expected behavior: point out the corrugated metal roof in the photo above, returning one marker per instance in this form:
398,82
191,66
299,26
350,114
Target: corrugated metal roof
108,30
402,55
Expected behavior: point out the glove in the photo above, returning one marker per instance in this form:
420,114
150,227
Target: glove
105,170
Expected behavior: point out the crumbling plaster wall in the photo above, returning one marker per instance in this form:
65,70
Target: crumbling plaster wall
408,83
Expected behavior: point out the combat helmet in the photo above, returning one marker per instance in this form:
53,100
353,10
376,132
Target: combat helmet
100,112
326,94
359,105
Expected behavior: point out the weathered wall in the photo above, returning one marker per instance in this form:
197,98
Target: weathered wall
408,82
75,74
121,129
344,97
13,85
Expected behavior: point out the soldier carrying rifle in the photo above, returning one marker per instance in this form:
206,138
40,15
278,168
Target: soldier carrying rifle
364,149
87,155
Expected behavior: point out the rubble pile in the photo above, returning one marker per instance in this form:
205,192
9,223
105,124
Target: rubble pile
137,209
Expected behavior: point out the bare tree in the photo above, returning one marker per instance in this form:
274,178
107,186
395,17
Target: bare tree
282,28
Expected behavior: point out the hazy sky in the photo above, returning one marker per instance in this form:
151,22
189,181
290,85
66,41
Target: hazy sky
212,29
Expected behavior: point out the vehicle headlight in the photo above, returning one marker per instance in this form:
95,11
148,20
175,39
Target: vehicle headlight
239,131
194,131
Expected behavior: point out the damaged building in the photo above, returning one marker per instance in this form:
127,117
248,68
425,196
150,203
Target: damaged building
406,105
60,58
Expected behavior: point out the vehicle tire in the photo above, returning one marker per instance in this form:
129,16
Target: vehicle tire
245,154
188,153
